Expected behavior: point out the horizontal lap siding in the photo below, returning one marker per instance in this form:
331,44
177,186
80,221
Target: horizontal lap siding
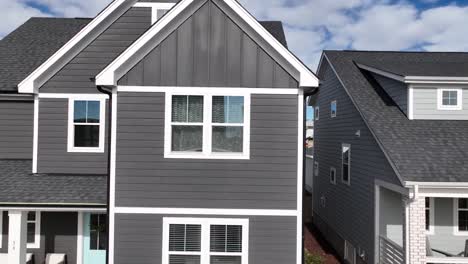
348,210
267,181
138,238
75,77
398,91
425,105
53,156
209,50
16,129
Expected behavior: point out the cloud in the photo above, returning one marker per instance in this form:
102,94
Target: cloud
74,8
14,13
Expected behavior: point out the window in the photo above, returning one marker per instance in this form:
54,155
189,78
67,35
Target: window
86,125
98,232
333,175
333,109
346,164
316,168
33,233
205,241
429,215
207,126
461,216
317,113
450,99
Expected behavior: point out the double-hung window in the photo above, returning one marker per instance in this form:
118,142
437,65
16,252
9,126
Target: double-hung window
461,216
205,241
207,126
450,99
346,163
33,232
86,125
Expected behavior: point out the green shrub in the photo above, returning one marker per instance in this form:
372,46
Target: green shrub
310,258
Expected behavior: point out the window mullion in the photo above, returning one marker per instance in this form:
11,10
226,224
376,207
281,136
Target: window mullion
205,244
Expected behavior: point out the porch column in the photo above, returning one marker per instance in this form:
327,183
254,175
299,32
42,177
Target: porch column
415,208
17,237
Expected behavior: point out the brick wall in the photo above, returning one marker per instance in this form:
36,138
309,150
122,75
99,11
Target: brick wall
417,230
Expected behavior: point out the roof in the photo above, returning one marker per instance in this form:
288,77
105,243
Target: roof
31,44
419,150
20,186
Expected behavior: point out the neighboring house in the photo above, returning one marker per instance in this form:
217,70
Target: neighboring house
391,170
196,114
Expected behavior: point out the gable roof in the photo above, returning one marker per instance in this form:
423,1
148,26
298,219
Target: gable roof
419,150
30,45
178,14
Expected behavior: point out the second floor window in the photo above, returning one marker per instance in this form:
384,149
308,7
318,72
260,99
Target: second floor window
333,109
207,126
346,164
450,99
86,126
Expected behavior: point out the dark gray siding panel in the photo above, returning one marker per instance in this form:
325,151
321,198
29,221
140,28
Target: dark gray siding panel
52,145
16,129
266,181
348,209
138,238
209,49
398,91
76,76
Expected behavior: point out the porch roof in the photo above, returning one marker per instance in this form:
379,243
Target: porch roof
20,187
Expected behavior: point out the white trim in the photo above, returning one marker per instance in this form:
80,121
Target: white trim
332,169
71,125
410,102
343,146
336,108
53,209
79,239
204,211
207,125
206,90
441,106
114,71
71,95
205,224
30,84
300,176
437,184
440,260
1,228
431,215
112,176
456,231
155,7
37,232
35,133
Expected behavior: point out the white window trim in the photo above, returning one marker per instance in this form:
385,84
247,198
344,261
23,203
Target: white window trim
456,231
207,125
336,107
316,168
431,216
440,105
317,113
71,128
205,237
344,145
332,169
37,232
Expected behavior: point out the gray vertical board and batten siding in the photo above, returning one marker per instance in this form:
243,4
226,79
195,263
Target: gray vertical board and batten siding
138,238
209,50
425,104
398,91
268,180
349,210
53,156
58,235
16,129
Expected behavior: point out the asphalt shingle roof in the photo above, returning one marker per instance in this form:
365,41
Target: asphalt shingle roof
20,186
421,150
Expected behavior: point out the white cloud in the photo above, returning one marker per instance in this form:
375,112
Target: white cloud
74,8
14,13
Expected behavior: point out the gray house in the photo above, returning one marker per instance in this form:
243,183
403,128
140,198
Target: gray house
158,132
390,180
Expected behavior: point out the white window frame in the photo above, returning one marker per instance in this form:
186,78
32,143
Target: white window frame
345,145
456,231
207,127
431,215
440,93
205,237
71,128
37,233
317,113
316,168
332,181
334,102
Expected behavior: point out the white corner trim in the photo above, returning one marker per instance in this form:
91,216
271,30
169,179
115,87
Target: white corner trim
79,239
35,133
28,85
207,90
112,161
441,106
300,175
457,232
37,232
204,211
410,102
431,216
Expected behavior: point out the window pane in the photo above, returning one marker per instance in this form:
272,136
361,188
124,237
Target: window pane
80,112
93,240
31,216
185,238
449,97
86,136
463,220
463,203
176,237
187,138
218,238
102,232
187,109
179,108
178,259
228,139
225,260
228,109
93,112
234,239
193,238
345,173
195,111
31,232
427,219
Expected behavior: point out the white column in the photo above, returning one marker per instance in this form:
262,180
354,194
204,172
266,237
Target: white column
17,237
79,240
416,230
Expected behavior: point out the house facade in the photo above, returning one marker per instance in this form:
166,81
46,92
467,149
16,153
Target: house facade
389,175
158,132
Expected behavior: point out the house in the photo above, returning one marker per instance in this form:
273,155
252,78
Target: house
390,171
158,132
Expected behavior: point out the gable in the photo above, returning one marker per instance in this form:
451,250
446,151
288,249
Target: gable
208,49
